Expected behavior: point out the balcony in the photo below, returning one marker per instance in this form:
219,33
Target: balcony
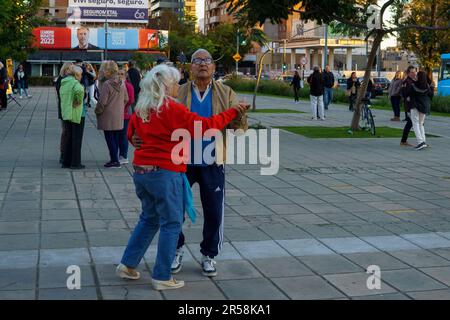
213,5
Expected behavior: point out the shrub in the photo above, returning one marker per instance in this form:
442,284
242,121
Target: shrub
440,104
40,81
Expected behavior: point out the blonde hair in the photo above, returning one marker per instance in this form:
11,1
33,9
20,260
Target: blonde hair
66,69
154,89
109,69
76,70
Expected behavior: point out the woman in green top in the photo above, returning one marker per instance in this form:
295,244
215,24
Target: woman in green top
73,112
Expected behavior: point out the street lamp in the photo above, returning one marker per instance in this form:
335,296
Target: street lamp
106,32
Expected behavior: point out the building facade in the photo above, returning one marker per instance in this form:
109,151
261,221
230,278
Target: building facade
215,14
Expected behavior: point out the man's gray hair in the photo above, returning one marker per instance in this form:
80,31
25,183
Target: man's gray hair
198,51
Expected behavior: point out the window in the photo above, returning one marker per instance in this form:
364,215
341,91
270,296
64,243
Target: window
445,74
47,70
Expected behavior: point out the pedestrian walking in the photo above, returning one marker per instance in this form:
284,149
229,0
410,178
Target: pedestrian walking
295,83
159,177
65,71
110,109
123,144
328,82
421,95
353,85
3,87
316,89
73,113
21,81
395,95
406,94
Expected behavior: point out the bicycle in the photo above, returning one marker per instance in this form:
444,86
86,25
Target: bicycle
366,117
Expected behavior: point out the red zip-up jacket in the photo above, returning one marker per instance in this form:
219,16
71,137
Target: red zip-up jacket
156,148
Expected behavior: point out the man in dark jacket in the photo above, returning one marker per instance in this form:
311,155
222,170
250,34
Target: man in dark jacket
328,82
135,79
406,94
316,88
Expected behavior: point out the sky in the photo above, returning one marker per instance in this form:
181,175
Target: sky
389,42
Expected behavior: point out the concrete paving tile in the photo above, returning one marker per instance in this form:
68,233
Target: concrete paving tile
260,249
56,214
326,231
235,270
442,252
387,296
105,225
57,277
18,279
428,240
107,255
283,209
381,259
304,247
19,227
228,252
420,258
247,234
130,292
366,230
307,288
410,280
108,238
64,257
63,240
441,274
99,214
59,204
355,284
251,289
348,245
61,226
329,264
431,295
20,259
106,274
198,290
390,243
305,219
19,242
281,267
85,293
17,295
277,232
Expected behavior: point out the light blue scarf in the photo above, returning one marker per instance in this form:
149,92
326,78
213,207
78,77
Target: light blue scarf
188,200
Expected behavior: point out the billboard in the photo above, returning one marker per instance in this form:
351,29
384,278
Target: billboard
125,11
83,38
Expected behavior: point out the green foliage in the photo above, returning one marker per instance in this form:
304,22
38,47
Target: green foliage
17,20
144,61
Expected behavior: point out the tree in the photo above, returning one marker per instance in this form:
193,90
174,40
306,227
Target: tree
427,44
17,20
355,17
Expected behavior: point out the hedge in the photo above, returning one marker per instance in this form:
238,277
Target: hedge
280,88
40,81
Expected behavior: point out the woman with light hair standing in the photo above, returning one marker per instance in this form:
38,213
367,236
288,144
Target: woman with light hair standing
395,89
65,71
73,113
110,109
159,167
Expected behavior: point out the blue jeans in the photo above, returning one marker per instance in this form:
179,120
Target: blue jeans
21,86
327,97
161,195
123,143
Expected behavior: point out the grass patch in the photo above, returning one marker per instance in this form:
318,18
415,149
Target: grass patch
275,111
343,132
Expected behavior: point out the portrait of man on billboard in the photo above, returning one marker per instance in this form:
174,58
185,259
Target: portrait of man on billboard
83,39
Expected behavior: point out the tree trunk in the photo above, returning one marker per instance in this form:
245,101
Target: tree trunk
362,90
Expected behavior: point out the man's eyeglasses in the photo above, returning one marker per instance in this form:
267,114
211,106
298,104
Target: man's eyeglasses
199,61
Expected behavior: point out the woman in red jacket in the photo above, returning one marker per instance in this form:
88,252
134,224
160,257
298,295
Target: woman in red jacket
123,142
158,176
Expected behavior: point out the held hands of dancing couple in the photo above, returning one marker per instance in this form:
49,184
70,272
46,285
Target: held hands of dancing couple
241,108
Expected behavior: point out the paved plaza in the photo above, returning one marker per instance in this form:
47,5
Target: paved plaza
336,207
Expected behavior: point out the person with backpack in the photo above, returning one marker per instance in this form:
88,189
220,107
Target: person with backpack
420,97
316,89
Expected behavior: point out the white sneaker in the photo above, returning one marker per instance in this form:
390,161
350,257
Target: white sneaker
167,285
127,273
123,160
177,261
208,267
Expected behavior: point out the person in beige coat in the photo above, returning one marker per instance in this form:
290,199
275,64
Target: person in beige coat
109,110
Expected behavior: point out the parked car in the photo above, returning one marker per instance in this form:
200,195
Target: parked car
286,78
